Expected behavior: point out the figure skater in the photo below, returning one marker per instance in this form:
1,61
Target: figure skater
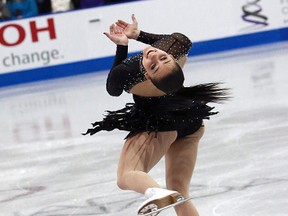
166,118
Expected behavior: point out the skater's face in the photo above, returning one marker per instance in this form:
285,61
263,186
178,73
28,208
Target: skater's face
157,63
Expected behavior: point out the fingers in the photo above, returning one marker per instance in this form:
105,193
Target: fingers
107,34
111,30
134,20
118,30
122,24
114,29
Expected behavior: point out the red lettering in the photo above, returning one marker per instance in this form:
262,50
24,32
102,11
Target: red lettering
27,132
21,35
50,28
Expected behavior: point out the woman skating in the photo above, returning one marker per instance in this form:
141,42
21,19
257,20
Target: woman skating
166,118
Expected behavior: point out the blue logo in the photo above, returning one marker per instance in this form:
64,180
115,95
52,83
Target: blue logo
252,13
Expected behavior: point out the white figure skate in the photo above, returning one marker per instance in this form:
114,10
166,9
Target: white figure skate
159,199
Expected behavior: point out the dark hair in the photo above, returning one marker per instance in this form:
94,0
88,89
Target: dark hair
172,82
207,92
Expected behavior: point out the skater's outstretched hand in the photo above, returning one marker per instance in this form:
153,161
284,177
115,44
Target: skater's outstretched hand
130,30
116,35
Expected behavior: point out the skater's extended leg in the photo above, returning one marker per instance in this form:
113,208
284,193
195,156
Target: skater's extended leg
180,163
139,155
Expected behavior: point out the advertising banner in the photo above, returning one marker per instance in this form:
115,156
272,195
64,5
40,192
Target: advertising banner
70,43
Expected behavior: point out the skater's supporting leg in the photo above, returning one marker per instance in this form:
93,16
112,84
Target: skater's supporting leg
139,155
180,163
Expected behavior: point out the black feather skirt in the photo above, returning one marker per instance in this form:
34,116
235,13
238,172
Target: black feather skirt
167,113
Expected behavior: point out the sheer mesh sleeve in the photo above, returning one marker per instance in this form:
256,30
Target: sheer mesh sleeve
149,38
176,44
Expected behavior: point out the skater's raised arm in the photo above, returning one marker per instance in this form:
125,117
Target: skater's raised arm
176,44
117,36
132,31
116,77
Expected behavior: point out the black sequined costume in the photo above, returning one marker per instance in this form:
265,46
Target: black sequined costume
178,111
127,72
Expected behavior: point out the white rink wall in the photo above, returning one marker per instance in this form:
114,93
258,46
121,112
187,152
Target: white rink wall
74,41
47,166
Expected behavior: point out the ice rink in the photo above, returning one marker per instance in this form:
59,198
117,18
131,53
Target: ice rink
49,169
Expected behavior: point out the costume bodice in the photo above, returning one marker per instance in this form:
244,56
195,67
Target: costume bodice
127,72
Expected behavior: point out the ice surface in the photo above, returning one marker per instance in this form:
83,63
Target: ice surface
49,169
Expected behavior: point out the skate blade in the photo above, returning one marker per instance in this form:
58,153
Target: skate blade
152,208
